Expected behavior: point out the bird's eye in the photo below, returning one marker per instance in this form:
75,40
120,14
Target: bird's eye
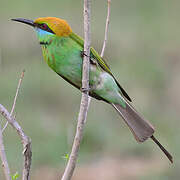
44,26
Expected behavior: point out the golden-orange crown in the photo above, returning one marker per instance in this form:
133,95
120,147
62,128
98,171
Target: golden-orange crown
59,26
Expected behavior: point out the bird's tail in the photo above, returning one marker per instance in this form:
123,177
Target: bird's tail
140,127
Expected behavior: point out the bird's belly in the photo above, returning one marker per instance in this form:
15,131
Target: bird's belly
72,73
102,84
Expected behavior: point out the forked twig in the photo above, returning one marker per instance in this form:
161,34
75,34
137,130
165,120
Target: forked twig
24,138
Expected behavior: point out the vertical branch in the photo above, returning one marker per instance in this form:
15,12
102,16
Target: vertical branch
84,100
106,28
105,35
5,165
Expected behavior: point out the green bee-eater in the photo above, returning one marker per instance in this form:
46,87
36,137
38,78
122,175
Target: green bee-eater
63,52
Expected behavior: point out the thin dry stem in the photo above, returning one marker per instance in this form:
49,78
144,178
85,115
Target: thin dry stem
106,28
84,100
5,165
15,98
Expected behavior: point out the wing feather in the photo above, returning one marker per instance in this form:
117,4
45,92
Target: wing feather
101,62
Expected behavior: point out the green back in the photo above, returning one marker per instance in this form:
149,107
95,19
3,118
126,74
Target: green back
102,63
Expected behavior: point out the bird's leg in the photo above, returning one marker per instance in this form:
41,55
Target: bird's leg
85,90
92,60
83,53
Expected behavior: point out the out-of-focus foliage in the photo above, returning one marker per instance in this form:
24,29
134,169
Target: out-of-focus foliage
143,52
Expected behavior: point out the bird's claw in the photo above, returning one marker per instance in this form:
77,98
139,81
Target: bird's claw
83,53
85,90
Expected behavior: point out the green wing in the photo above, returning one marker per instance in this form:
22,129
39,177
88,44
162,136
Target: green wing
102,63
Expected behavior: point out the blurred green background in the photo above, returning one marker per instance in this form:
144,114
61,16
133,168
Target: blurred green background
143,52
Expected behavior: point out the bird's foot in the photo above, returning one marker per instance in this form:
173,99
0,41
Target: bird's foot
92,60
83,53
85,90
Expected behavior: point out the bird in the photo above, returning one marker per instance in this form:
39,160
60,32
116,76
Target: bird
63,51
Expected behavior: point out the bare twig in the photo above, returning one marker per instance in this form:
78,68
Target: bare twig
84,100
15,98
106,29
3,158
25,141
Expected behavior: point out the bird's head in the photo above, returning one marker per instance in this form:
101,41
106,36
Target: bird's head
48,26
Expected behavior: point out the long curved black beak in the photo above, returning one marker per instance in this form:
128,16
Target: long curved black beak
25,21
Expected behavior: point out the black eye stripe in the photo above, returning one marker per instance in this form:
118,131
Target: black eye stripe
45,27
